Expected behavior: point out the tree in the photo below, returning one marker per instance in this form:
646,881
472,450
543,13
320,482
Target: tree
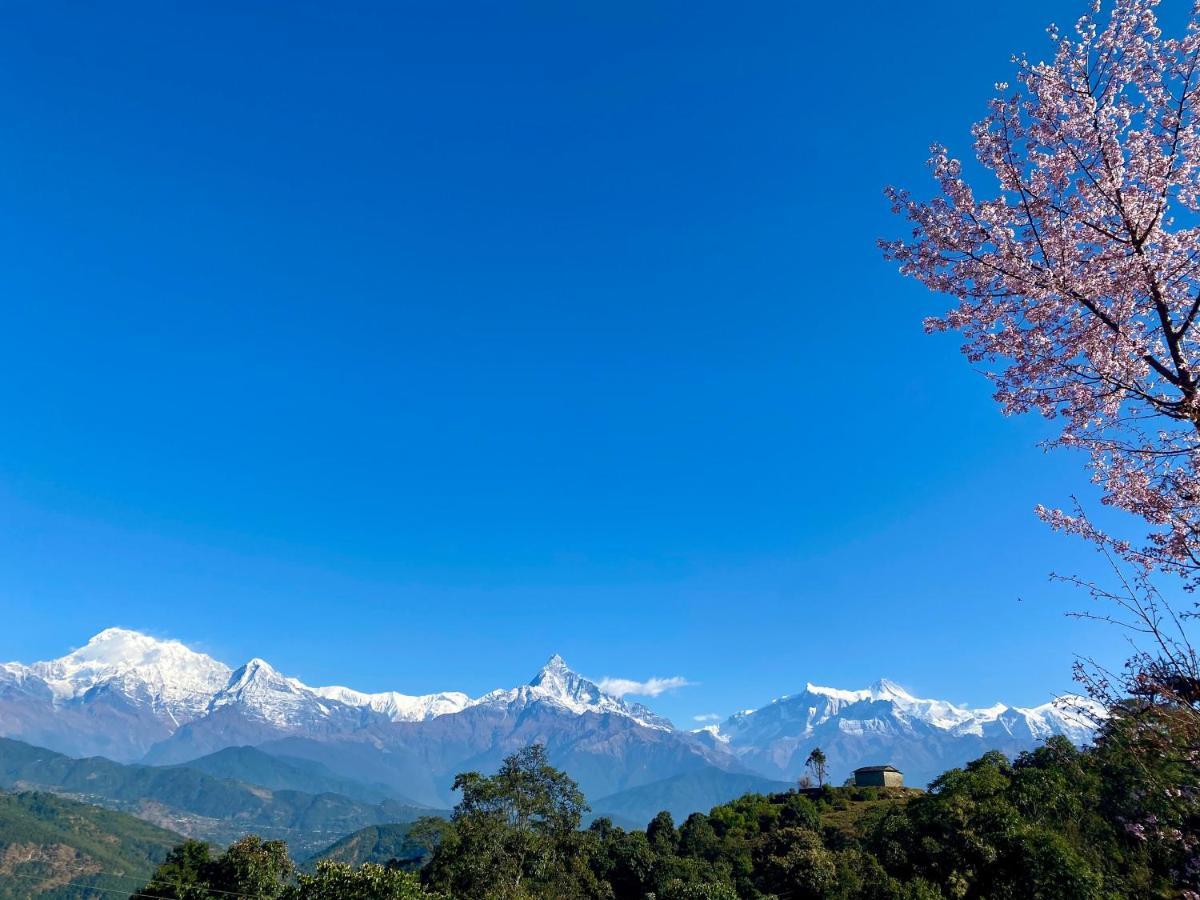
661,833
513,833
1077,281
251,867
181,875
340,881
816,764
796,864
1079,273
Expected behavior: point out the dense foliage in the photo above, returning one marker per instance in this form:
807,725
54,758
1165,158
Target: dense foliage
375,844
1057,822
262,869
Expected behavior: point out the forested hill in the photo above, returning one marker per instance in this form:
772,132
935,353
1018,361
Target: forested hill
195,803
382,844
52,848
1056,822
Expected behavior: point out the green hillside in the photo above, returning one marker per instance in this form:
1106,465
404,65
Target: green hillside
375,844
194,803
681,795
53,848
288,773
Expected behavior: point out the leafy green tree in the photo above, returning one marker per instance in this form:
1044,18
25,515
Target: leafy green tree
622,859
797,811
661,834
513,834
795,863
697,838
339,881
181,875
251,867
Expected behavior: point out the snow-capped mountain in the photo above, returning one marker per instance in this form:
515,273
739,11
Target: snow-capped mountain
165,676
135,698
417,745
886,723
84,702
116,696
556,684
399,707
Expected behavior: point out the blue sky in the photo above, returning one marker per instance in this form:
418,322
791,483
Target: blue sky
403,345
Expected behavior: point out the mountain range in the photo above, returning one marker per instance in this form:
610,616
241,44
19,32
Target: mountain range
137,699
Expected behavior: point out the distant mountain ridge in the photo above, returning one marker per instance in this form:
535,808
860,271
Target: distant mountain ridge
133,698
191,801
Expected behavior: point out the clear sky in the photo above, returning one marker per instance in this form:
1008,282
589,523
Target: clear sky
404,344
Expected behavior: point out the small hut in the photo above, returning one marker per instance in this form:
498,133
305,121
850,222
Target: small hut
878,776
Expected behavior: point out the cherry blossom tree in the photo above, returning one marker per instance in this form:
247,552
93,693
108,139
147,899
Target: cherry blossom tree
1077,275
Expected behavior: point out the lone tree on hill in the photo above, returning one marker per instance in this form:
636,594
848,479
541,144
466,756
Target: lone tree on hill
816,764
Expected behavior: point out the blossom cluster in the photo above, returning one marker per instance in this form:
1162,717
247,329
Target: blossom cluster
1076,274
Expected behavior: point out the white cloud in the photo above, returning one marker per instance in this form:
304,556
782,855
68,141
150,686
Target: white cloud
707,717
651,687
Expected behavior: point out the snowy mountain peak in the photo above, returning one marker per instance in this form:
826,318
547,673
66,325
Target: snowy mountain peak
115,648
887,708
556,681
164,675
557,685
258,673
556,677
115,642
884,689
263,693
396,706
554,672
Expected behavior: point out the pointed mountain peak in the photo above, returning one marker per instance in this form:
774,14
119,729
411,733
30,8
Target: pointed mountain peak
557,683
258,673
555,671
885,688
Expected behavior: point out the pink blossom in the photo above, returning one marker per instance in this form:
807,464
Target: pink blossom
1077,274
